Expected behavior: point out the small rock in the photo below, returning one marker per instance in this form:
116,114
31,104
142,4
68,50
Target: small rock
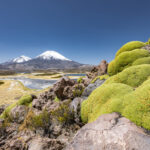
45,144
75,107
2,108
18,113
16,145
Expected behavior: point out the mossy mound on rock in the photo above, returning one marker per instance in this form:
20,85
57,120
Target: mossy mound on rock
133,76
131,103
144,60
137,105
105,99
130,46
24,100
126,60
102,77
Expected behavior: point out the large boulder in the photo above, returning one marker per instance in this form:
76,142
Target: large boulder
58,87
88,90
110,132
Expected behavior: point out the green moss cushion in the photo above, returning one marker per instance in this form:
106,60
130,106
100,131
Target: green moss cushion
116,97
126,60
130,46
132,76
137,105
105,99
144,60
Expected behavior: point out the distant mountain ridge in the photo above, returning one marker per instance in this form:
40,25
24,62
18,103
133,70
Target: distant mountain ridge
21,59
46,60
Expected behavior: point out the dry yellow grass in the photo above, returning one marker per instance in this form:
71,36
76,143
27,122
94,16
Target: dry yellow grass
12,90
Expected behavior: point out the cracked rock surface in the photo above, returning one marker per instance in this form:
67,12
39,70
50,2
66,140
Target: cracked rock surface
110,132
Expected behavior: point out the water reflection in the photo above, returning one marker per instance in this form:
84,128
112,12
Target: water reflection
33,83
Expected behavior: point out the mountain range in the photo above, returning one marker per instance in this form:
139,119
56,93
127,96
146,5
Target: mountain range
44,61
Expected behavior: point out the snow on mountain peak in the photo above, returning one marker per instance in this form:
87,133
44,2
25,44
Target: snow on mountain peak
21,59
48,55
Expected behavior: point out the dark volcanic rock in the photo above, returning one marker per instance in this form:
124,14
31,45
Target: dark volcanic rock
60,85
110,132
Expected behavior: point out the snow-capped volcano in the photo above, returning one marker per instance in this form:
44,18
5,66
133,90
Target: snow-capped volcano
52,55
44,61
21,59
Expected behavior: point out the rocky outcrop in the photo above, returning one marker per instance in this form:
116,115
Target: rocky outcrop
99,70
102,68
61,84
147,47
110,132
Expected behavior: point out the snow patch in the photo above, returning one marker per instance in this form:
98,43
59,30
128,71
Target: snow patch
48,55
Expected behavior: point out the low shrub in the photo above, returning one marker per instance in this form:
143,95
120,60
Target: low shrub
78,90
33,121
62,113
80,80
57,99
130,46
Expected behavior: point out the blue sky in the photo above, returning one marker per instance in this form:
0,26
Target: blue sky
86,31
